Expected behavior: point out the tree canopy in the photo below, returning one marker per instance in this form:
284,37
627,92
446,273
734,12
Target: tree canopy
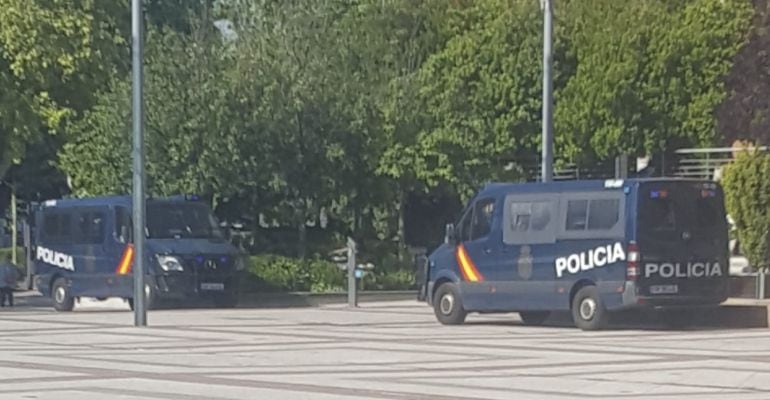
342,110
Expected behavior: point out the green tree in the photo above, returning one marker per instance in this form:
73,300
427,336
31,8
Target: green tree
481,99
190,125
747,189
649,74
53,57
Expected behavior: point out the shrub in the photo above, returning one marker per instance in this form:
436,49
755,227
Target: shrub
278,273
747,190
394,280
21,264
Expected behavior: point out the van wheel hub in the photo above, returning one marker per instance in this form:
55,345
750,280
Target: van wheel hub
447,304
60,294
588,308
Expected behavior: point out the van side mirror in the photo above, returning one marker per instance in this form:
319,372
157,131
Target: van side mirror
226,229
449,234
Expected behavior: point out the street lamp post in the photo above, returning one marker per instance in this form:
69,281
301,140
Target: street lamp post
547,139
140,311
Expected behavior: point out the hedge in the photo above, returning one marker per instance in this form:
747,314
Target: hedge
747,191
273,273
284,274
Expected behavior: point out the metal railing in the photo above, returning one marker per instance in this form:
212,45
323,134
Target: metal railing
704,163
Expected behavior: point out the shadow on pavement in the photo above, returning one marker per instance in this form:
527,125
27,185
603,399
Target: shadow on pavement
725,317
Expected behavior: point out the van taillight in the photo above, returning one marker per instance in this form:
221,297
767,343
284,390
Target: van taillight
632,267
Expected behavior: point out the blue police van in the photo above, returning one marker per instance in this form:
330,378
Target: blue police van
588,247
83,248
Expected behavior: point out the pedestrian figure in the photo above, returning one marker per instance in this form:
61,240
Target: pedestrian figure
8,277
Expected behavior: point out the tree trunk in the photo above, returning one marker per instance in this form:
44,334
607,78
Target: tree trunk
302,239
401,230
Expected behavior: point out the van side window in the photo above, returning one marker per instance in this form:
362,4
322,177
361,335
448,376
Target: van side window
123,227
465,225
603,214
528,221
483,211
592,215
90,228
50,226
57,229
577,215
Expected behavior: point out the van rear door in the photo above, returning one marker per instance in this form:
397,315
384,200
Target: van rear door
682,239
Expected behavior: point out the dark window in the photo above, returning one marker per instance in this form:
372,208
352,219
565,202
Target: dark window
659,215
541,216
530,216
666,214
90,228
528,220
181,220
123,228
521,215
482,218
577,215
465,225
57,229
50,226
603,214
592,215
708,213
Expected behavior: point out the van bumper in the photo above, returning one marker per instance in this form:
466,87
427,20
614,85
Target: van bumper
631,299
183,286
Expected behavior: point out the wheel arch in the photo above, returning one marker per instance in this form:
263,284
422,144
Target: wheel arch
576,287
442,278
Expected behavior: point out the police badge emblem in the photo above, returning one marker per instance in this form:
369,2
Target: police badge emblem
525,263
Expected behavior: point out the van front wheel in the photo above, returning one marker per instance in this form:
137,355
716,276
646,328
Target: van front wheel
448,305
588,311
62,299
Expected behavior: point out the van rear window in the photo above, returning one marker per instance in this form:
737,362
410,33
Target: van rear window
659,214
680,208
708,213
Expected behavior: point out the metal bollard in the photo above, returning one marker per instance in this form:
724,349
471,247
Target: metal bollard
352,287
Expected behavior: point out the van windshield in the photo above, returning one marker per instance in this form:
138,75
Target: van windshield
181,221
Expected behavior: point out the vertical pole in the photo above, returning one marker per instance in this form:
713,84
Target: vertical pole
352,289
14,230
29,283
621,166
140,311
547,139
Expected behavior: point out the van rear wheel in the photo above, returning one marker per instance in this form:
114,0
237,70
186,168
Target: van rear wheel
534,317
448,305
588,310
62,299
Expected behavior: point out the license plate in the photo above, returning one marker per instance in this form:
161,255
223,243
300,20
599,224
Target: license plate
212,286
664,289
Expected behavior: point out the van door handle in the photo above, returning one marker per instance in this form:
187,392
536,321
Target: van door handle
487,250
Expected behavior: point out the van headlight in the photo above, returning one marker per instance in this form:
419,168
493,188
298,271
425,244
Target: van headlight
240,264
170,263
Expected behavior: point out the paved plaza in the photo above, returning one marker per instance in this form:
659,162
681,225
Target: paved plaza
390,350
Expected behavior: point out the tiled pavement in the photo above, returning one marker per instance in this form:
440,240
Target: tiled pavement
390,350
